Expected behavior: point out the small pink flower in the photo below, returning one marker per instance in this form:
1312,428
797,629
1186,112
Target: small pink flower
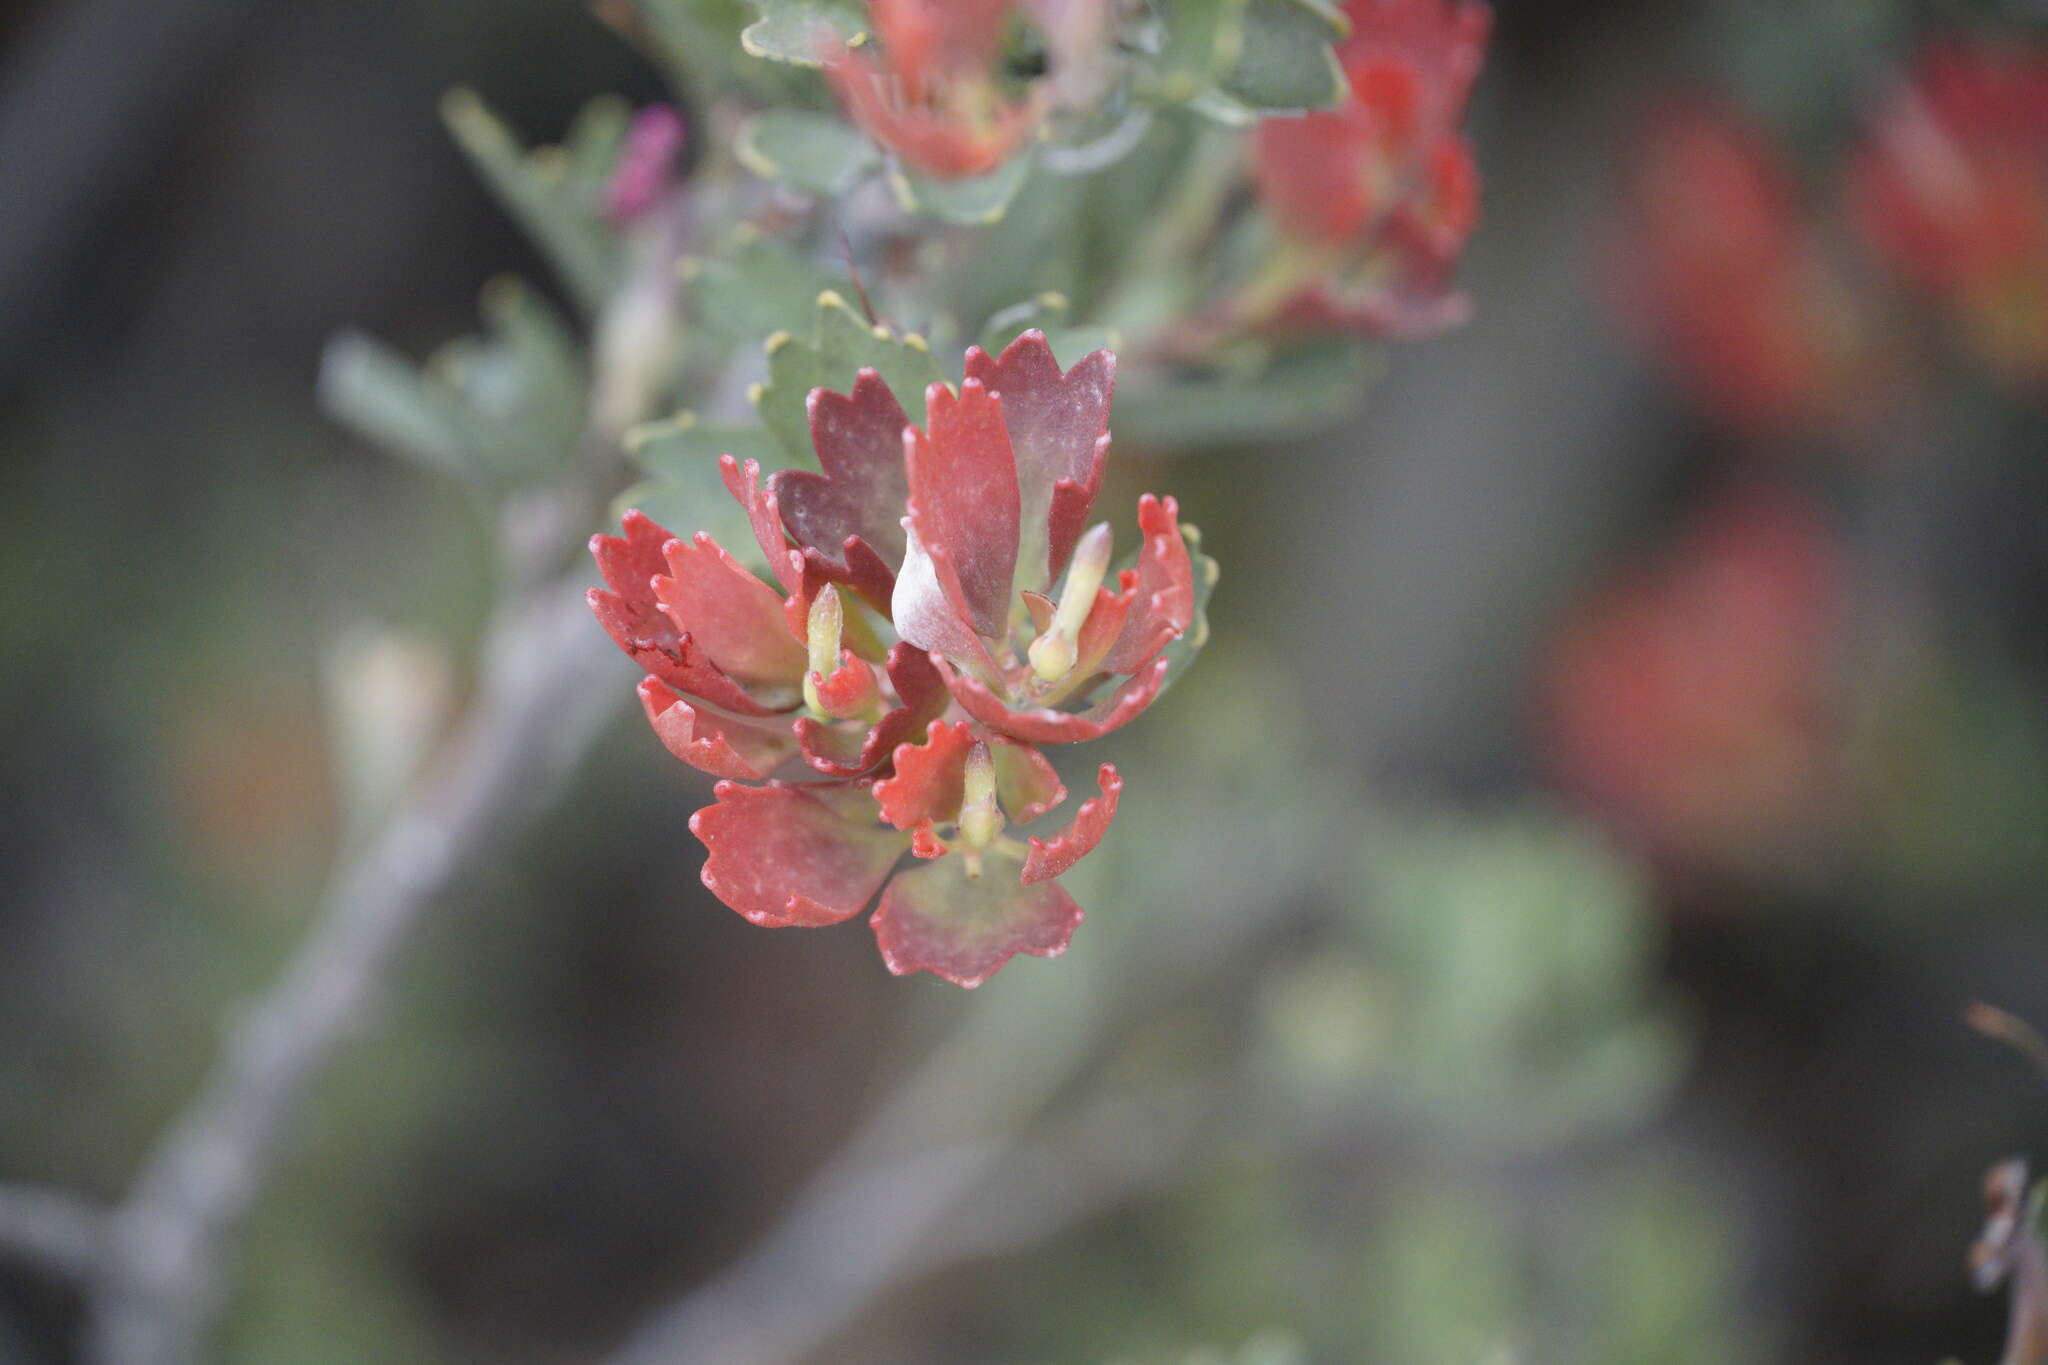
942,609
647,165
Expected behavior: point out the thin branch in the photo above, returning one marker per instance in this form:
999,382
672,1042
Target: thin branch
937,1171
2010,1029
162,1275
50,1230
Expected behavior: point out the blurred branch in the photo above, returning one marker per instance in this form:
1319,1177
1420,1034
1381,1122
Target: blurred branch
2008,1028
857,1234
953,1161
161,1277
50,1230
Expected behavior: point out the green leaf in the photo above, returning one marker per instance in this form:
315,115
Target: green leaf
814,153
592,147
972,202
1298,395
698,40
1047,313
682,447
1199,41
797,31
383,397
696,503
504,407
754,287
841,344
552,193
1287,61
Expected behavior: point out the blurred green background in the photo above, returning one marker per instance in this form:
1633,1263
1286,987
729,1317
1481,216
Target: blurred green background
1384,1035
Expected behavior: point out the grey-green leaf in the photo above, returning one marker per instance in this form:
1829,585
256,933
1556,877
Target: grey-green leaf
815,153
682,447
383,397
1287,61
802,31
971,202
552,193
754,287
841,344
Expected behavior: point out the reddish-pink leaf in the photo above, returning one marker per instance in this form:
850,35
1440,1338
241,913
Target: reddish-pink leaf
1059,428
850,690
710,740
1105,623
759,505
963,502
925,842
927,615
935,918
1025,780
929,779
633,617
1037,725
786,855
1051,857
860,494
936,140
843,751
736,617
1165,602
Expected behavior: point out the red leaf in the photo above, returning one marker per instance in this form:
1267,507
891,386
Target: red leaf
964,502
1025,781
935,918
1059,428
850,690
860,494
1051,857
1105,624
927,615
633,617
942,142
786,855
1037,725
1165,601
716,743
736,617
759,505
929,779
921,697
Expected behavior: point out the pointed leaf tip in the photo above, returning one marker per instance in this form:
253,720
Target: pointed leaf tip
1051,857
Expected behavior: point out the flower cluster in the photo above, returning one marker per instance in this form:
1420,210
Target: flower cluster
1951,189
931,97
1692,703
1380,194
1744,291
1720,269
941,611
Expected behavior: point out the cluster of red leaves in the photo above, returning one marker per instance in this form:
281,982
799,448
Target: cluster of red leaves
931,96
1690,703
1723,270
952,537
1730,273
1382,193
1951,189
